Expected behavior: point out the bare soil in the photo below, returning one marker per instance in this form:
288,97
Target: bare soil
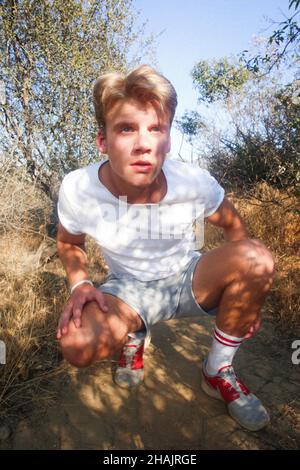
169,410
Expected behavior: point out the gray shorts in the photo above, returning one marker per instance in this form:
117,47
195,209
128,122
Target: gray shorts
159,300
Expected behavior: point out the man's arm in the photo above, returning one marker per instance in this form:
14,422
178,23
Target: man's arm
70,249
228,218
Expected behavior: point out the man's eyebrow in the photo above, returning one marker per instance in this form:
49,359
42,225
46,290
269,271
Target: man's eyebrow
129,123
123,123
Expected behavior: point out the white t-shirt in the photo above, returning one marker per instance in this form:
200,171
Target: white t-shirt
147,241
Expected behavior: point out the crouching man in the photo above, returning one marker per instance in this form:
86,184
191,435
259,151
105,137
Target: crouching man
158,277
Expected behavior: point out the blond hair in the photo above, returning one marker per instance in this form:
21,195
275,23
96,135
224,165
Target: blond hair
143,84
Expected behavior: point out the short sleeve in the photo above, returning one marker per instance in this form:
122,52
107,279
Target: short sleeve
67,214
213,193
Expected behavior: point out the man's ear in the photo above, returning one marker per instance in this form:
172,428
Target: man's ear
101,141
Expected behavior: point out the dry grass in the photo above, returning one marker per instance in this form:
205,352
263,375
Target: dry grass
23,207
35,289
28,318
31,296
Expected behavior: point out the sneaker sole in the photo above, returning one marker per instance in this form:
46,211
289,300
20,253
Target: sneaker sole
210,391
123,383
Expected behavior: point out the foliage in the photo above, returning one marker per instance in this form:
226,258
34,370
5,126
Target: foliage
261,141
286,41
264,144
51,52
189,124
216,79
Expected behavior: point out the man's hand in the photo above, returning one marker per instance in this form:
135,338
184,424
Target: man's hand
73,309
254,329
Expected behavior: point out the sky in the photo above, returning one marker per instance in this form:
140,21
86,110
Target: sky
193,30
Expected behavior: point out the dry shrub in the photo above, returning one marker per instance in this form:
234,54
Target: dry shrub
24,208
272,216
34,290
31,296
17,258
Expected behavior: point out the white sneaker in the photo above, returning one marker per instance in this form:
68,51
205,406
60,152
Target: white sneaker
242,405
130,370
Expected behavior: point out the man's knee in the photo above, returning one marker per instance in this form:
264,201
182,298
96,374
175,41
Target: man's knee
264,261
76,350
256,260
79,349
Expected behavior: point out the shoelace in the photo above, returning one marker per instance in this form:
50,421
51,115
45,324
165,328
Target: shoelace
232,382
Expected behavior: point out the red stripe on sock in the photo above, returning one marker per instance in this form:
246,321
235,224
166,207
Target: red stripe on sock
227,344
222,338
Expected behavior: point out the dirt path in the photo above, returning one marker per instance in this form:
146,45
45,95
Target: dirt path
170,411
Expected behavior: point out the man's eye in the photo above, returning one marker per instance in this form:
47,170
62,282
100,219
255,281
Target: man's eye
126,129
155,129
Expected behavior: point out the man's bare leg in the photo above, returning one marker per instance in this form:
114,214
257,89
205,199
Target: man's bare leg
102,334
235,277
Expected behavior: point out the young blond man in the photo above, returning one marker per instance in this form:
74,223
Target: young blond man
158,277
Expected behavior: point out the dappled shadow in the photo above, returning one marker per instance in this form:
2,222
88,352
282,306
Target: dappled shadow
169,410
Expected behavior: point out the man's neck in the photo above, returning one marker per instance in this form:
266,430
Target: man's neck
150,194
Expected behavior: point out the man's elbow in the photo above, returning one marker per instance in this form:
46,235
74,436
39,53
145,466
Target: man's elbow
60,247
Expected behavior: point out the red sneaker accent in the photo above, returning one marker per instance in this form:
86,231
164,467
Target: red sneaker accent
130,359
227,383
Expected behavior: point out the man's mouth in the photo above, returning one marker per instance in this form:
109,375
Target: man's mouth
142,166
141,163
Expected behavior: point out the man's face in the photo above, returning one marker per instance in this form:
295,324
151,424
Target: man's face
136,140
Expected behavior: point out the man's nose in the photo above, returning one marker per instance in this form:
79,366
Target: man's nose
142,142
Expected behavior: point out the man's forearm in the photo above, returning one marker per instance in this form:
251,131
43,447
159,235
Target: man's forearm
236,232
228,218
74,260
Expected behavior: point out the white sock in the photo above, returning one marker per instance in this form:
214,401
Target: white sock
141,334
222,351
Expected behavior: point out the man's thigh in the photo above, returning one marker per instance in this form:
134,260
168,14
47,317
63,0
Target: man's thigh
220,267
